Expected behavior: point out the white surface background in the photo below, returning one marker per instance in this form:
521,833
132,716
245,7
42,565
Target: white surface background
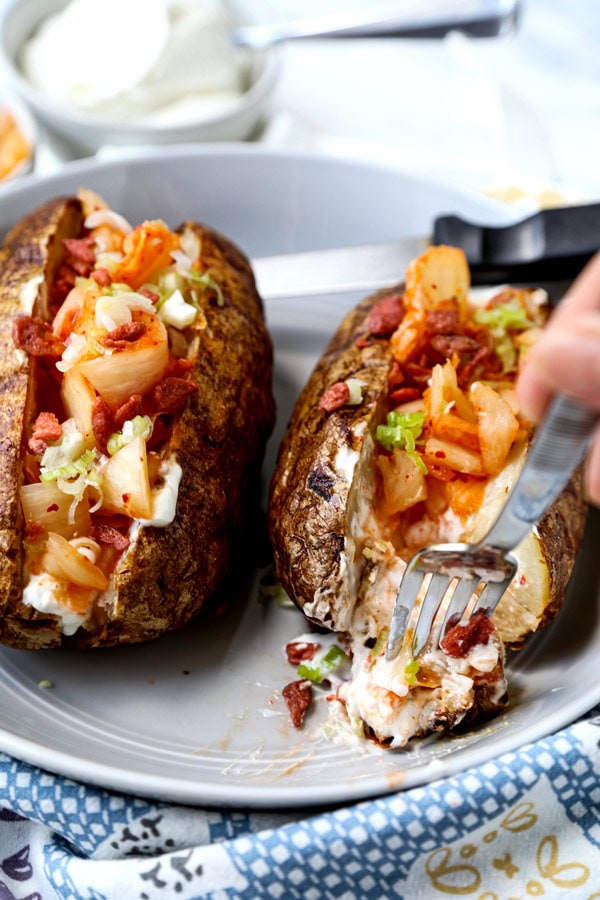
517,115
521,111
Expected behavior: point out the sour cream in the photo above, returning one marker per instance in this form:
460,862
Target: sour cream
42,593
164,497
179,62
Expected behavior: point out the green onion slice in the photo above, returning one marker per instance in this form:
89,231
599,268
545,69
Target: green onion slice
139,426
401,432
317,670
410,671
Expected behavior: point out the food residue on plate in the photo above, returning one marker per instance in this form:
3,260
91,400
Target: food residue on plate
14,147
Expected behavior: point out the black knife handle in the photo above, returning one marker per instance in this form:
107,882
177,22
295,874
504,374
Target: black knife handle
550,244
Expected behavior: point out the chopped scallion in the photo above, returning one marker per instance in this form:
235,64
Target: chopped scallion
319,668
410,671
401,432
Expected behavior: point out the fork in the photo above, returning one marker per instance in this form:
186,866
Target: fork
478,574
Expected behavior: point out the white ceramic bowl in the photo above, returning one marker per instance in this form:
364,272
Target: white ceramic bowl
86,133
27,126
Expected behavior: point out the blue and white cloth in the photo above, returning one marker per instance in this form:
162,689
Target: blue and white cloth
524,825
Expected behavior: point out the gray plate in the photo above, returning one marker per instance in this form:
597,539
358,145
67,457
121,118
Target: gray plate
196,717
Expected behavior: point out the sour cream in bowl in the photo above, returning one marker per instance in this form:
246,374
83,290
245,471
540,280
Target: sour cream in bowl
100,72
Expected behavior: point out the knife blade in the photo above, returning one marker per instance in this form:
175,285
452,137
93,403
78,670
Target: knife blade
550,245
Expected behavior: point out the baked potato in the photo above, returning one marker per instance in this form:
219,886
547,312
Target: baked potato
408,433
135,377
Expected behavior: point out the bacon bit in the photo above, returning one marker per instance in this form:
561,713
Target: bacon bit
481,359
298,651
460,639
123,335
62,284
79,256
386,315
445,335
108,536
103,423
417,374
447,344
115,520
79,251
443,321
298,698
52,508
335,397
127,410
405,395
35,337
102,277
363,341
178,366
161,432
150,295
170,395
33,531
395,375
45,428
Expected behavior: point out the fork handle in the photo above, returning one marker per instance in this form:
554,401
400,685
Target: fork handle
560,445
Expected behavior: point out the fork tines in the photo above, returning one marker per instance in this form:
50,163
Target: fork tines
442,585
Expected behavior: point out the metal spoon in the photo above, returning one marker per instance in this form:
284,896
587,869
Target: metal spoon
478,18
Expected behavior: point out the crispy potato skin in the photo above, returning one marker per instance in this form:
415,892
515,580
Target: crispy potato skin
167,574
31,250
561,531
219,443
309,494
308,510
560,534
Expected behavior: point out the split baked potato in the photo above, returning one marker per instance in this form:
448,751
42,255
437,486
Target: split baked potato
408,433
136,402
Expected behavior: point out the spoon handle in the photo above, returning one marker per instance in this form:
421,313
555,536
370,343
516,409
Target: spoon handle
375,21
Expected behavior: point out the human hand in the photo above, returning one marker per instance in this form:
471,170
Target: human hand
567,359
